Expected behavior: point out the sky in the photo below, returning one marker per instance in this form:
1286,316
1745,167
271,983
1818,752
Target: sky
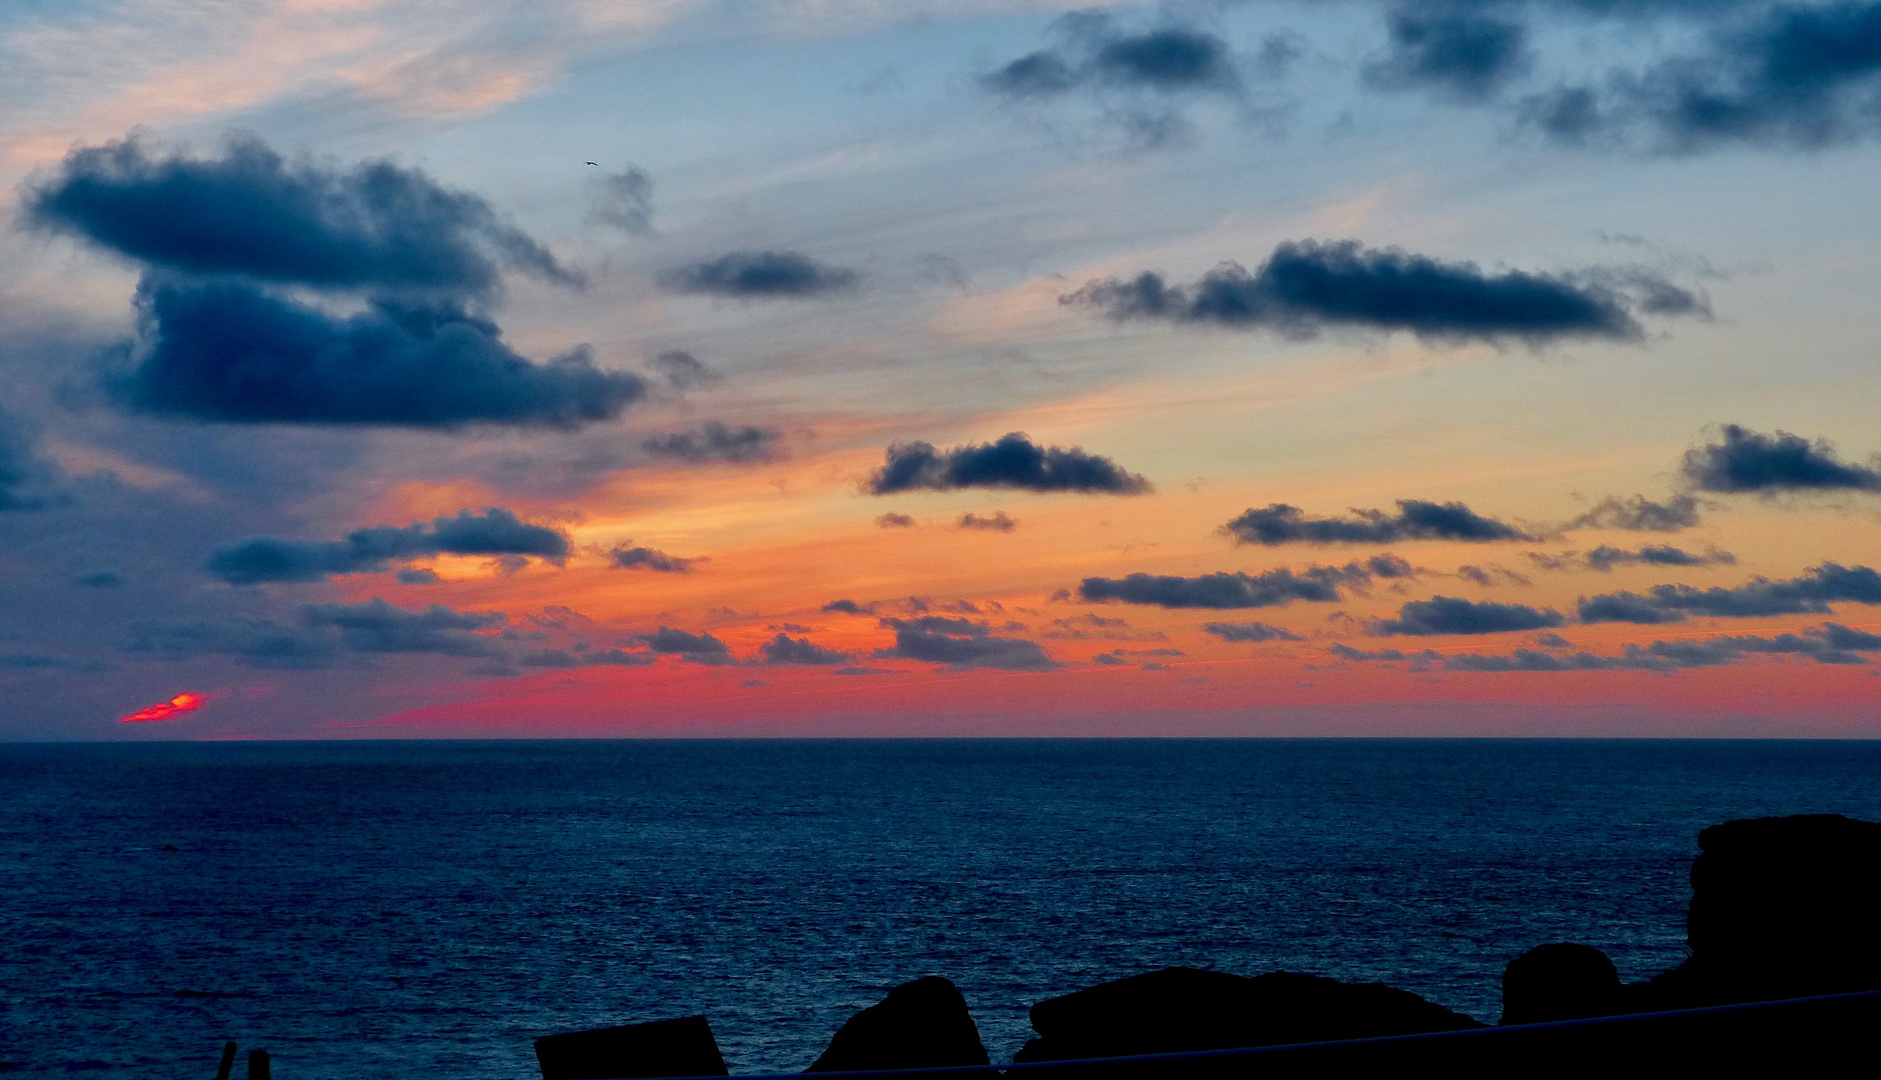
437,368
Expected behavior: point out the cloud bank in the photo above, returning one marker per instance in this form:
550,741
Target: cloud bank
1308,286
1747,461
1811,592
373,550
1416,519
761,275
1012,462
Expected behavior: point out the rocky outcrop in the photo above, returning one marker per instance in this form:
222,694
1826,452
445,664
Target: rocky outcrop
1561,981
683,1047
1781,907
1184,1008
923,1024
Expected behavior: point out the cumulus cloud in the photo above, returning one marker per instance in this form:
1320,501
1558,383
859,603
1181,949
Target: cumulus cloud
758,275
1170,59
326,634
999,522
24,478
961,643
225,351
1223,590
1250,632
1463,53
249,212
784,649
714,441
1308,286
1416,519
373,550
1811,592
1639,514
698,648
847,607
1828,644
1012,462
684,371
1605,558
624,557
1093,627
624,200
1442,615
1747,461
1800,75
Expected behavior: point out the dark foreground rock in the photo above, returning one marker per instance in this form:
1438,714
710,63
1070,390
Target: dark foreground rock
1781,907
683,1047
923,1024
1561,981
1181,1008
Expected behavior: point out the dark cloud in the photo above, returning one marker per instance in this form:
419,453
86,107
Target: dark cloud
1167,59
642,558
1093,627
324,635
1492,576
496,531
761,275
251,213
378,627
24,478
1416,519
1044,73
894,521
1307,286
564,658
1222,590
999,522
699,648
417,576
713,441
1811,592
961,643
1170,59
863,671
848,607
625,201
1769,464
1605,558
1012,462
1825,645
103,579
784,649
1250,631
1443,615
227,352
1463,53
1799,75
684,371
1639,514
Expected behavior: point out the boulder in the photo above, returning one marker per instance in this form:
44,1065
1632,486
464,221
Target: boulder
683,1047
1183,1008
922,1024
1781,907
1561,981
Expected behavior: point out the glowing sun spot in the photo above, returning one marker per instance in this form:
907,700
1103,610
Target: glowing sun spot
166,710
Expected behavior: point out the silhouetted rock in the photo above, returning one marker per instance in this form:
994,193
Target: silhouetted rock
922,1024
1781,907
1562,981
682,1047
1184,1008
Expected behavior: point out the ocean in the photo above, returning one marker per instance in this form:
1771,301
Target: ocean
426,909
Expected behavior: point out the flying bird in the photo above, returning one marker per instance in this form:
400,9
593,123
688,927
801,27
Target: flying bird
596,164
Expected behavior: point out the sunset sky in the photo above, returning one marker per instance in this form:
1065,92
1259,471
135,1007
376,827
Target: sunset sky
413,368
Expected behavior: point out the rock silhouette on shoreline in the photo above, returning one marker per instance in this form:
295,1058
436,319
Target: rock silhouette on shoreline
1182,1008
922,1024
1782,907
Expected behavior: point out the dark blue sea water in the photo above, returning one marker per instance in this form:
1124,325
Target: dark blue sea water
426,909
